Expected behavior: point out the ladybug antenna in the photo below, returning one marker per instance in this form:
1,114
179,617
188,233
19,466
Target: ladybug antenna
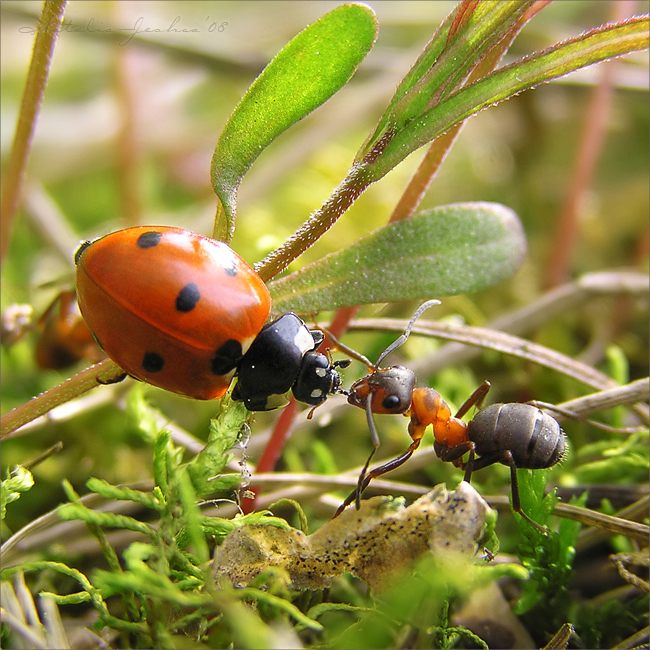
402,339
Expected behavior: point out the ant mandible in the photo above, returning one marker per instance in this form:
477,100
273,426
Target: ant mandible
517,435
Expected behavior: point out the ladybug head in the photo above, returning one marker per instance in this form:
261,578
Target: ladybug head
318,378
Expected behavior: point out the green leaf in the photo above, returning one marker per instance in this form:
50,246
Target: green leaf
444,251
303,75
226,432
446,62
592,47
123,493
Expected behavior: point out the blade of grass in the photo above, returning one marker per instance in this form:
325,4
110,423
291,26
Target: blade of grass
46,35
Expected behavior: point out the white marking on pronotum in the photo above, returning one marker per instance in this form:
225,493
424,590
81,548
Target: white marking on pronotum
303,340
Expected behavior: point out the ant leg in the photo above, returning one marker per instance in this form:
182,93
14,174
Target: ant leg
378,471
361,483
453,454
474,464
469,466
475,399
365,477
516,501
391,464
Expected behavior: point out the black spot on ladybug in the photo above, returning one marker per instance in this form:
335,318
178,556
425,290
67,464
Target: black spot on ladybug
152,362
149,239
187,298
227,357
80,250
231,271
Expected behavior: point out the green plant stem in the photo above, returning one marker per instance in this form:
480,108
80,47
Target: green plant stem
46,33
354,184
61,394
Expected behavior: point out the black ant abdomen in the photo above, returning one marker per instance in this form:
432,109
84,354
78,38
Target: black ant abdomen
534,438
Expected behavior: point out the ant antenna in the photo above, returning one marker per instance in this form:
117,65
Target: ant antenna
375,444
402,338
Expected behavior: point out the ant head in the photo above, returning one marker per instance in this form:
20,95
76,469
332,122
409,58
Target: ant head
389,389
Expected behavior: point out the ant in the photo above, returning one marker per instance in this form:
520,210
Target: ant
517,435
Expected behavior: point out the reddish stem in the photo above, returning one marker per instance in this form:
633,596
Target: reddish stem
566,232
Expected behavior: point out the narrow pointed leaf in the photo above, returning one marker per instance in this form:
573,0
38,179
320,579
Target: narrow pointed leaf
439,252
302,76
592,47
447,61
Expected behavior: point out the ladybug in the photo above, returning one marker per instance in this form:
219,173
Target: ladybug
64,337
185,313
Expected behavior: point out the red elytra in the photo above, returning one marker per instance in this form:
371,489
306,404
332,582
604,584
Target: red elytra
171,307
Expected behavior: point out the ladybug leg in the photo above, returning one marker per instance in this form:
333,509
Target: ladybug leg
113,380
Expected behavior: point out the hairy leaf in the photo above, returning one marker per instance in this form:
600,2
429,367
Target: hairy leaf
302,76
439,252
